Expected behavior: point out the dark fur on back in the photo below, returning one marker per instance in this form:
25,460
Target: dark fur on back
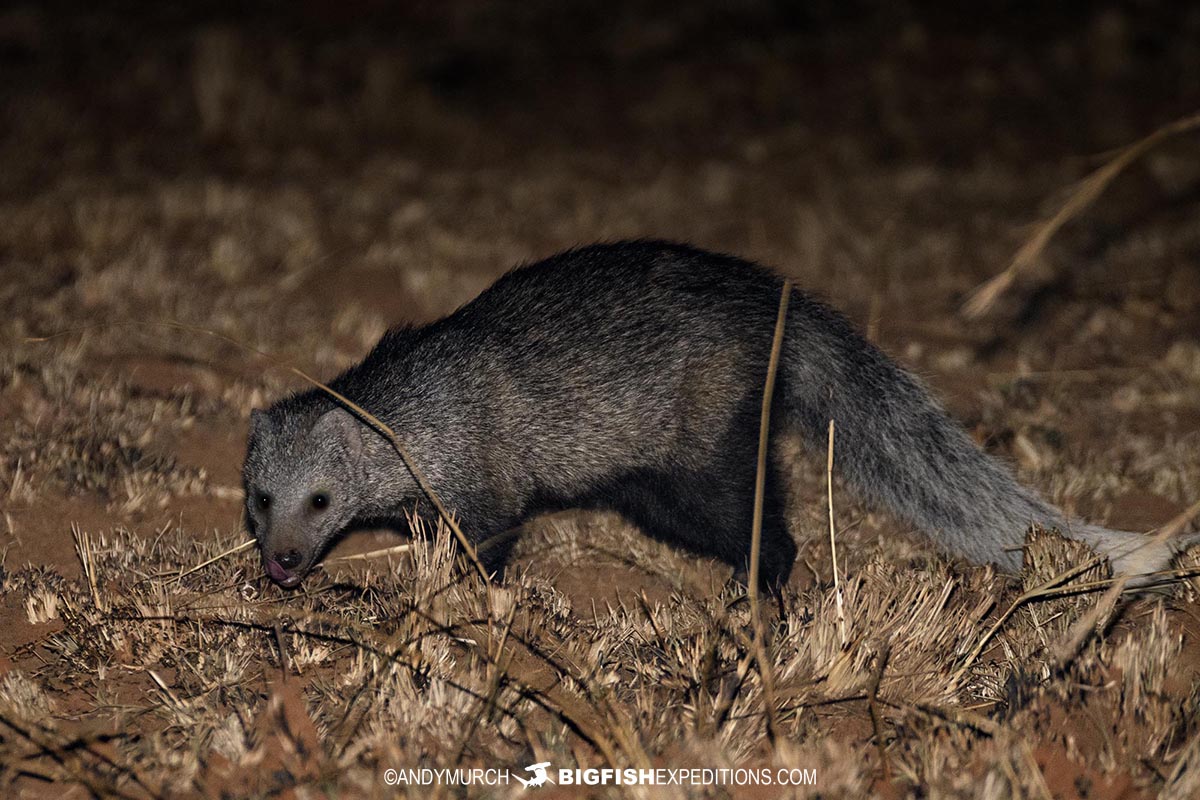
627,376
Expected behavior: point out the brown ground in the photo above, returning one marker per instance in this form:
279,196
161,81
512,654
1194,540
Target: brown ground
301,181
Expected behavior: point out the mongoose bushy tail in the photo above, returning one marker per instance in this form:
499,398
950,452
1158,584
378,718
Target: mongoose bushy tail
628,377
898,447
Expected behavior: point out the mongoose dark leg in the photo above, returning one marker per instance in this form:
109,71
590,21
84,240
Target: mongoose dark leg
712,520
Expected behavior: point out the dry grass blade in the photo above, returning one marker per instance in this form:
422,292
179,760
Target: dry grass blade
957,716
760,479
1093,621
372,554
1098,617
1041,590
285,666
1178,523
83,550
172,699
219,556
986,295
730,694
881,659
837,581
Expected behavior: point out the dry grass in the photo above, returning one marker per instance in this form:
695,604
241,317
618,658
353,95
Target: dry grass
984,297
403,667
760,476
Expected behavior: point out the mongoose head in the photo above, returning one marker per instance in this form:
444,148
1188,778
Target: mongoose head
303,479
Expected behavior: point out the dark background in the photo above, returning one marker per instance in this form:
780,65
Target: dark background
946,81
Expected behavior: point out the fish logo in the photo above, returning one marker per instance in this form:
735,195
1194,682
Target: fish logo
539,778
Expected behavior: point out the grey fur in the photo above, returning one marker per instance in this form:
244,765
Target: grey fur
628,376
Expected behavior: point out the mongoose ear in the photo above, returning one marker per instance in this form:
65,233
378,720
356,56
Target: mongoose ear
338,424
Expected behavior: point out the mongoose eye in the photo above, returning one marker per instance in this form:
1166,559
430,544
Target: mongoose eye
263,501
320,500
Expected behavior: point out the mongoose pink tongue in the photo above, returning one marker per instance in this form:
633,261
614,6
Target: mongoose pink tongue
281,575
